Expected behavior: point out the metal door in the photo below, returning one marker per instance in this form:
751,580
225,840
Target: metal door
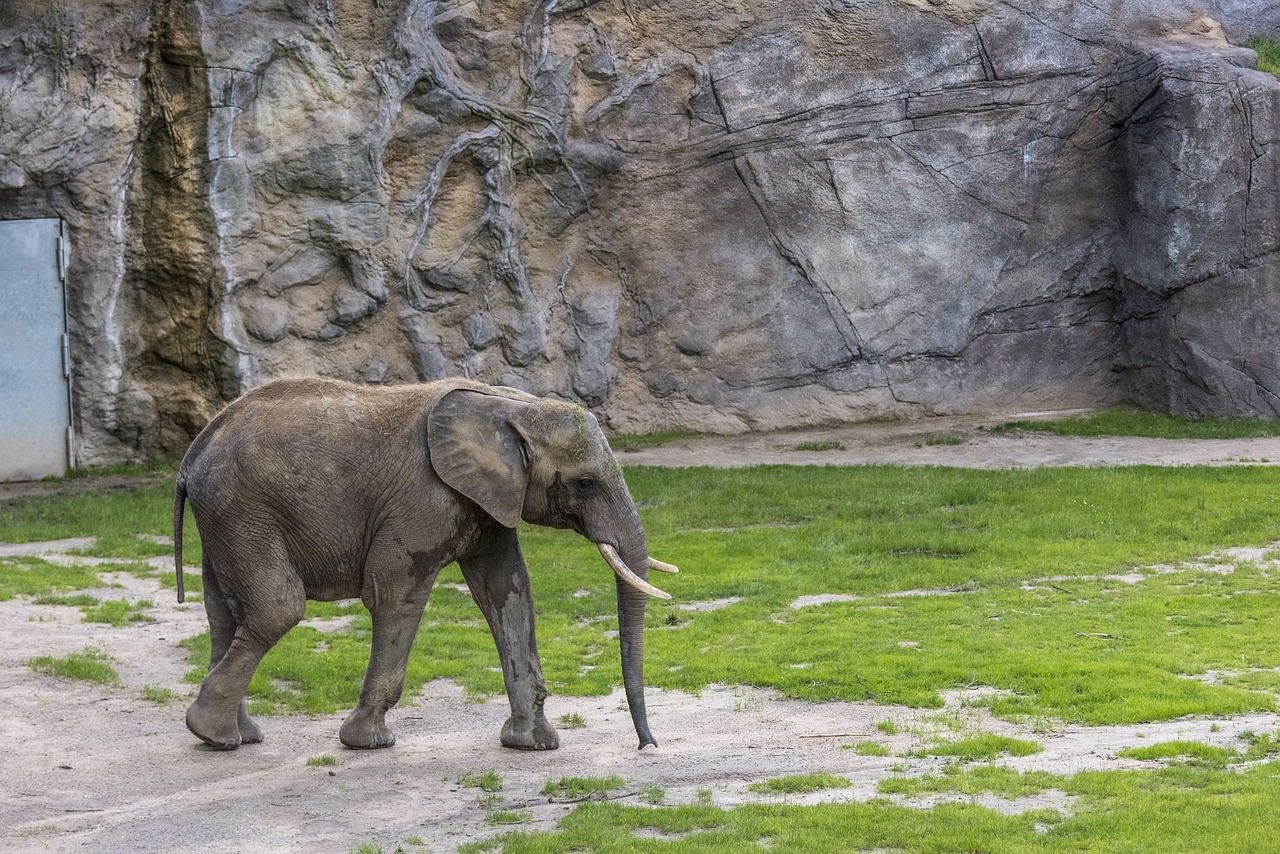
35,402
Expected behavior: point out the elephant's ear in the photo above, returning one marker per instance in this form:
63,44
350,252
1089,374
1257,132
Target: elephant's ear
476,449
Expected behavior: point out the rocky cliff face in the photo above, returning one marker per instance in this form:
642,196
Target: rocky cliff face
726,215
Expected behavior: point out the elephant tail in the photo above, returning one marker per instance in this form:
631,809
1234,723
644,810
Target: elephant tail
179,505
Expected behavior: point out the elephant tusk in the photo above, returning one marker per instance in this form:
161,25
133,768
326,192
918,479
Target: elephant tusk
610,555
662,567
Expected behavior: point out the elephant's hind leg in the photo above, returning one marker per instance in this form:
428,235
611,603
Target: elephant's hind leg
240,635
222,629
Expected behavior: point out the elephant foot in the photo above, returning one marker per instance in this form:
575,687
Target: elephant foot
366,730
537,734
219,731
250,732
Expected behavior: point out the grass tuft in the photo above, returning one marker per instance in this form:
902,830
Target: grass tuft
572,720
985,746
156,694
119,612
323,761
78,600
485,781
1189,751
29,576
996,779
1127,421
581,787
638,441
799,784
1268,50
868,748
91,665
819,446
1260,747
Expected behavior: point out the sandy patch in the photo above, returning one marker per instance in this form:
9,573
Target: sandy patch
710,604
966,441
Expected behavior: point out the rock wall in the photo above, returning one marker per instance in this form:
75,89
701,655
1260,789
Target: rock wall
725,215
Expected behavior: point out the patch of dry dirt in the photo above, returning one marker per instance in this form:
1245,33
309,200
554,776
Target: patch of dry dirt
99,768
964,441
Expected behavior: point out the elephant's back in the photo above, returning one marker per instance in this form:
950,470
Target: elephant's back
306,433
348,430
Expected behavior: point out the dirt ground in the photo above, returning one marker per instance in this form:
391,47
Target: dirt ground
964,441
94,768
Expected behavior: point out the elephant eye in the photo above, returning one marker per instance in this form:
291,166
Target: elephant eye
585,484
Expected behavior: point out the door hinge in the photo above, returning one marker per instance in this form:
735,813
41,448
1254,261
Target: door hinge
66,356
63,258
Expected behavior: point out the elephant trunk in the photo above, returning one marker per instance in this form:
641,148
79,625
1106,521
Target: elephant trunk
631,604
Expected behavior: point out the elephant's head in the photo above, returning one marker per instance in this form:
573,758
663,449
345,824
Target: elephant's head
545,461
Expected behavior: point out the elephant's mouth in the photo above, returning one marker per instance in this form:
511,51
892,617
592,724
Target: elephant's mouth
561,513
620,568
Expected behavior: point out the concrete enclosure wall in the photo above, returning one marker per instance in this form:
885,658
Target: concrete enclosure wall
725,215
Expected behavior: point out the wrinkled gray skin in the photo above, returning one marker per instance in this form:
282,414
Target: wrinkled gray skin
317,489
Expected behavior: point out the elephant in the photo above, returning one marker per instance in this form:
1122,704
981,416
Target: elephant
322,489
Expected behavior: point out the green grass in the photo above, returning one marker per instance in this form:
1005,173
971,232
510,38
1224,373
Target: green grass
572,720
869,748
581,787
1178,808
1268,50
638,441
123,520
91,665
29,576
322,761
799,784
119,612
819,446
486,781
1155,425
112,612
79,600
973,780
156,694
1260,747
985,746
1192,751
1104,651
508,816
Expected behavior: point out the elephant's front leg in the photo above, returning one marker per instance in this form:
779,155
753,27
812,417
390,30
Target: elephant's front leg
395,624
499,583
